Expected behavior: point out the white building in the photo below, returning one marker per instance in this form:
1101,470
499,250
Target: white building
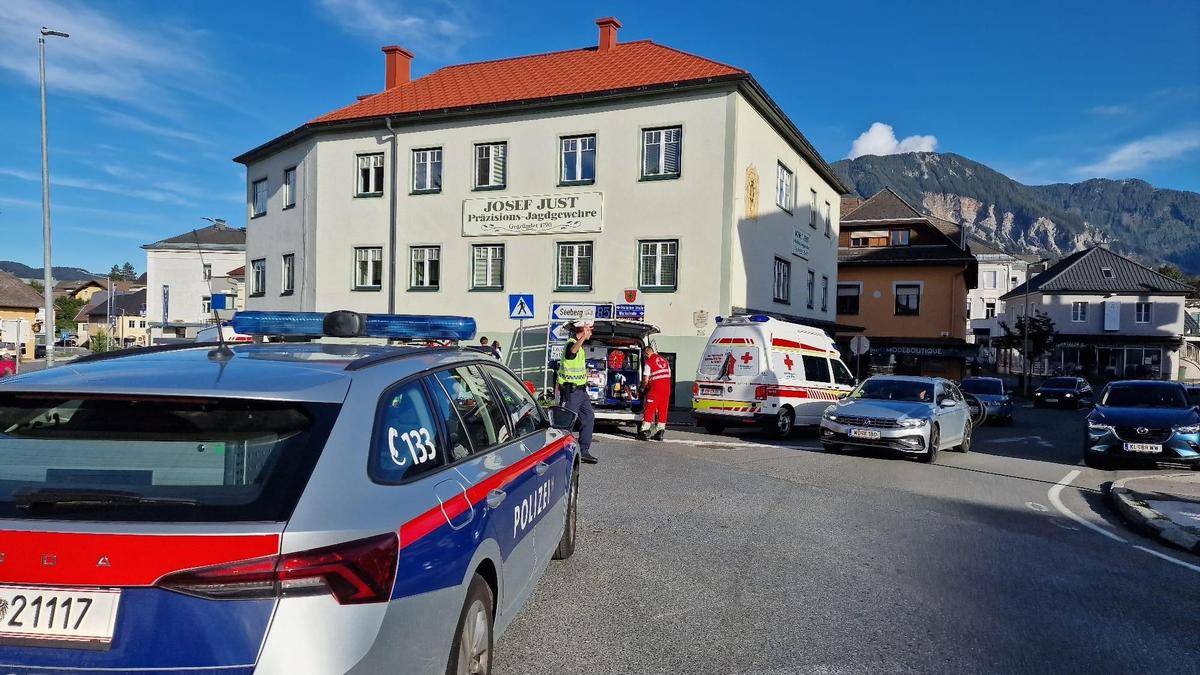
616,171
184,272
999,273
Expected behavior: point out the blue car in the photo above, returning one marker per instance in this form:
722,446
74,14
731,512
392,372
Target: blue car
1143,420
994,396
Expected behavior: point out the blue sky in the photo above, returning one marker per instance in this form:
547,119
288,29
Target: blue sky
149,101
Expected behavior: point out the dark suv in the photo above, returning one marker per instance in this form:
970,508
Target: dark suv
1063,392
1144,420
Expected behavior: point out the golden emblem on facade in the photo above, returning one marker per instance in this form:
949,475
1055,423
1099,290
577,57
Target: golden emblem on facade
752,192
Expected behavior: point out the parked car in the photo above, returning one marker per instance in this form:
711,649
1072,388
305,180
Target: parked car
758,370
918,416
1193,393
1064,392
993,395
1143,420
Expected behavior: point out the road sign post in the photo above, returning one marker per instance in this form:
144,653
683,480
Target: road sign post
859,345
520,307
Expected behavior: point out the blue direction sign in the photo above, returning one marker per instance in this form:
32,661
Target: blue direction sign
520,306
635,312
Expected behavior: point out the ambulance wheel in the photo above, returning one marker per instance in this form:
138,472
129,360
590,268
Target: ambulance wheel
784,422
714,427
566,545
471,651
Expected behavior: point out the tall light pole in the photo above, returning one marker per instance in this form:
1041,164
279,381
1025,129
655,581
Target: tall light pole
1025,334
47,277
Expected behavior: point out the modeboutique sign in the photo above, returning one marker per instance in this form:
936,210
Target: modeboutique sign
533,214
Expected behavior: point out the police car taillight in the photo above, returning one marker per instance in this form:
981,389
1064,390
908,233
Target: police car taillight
355,572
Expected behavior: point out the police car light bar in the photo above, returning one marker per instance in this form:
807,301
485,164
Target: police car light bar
343,323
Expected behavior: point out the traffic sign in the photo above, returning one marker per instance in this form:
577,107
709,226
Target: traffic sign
635,312
860,345
520,306
218,301
579,311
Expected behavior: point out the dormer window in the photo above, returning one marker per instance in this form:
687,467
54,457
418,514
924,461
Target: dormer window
899,238
868,239
1106,272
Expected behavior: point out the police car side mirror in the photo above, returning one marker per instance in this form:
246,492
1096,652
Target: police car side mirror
562,418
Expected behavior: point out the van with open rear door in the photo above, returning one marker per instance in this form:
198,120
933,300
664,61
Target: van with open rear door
762,371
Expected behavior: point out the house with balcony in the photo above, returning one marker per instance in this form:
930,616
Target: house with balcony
1115,318
905,278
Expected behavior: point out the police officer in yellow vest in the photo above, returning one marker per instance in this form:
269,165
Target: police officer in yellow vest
572,386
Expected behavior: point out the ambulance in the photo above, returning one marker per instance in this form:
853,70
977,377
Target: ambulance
761,371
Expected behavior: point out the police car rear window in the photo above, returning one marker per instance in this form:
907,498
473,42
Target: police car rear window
84,457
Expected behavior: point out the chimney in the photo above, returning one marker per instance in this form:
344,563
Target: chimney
608,32
399,66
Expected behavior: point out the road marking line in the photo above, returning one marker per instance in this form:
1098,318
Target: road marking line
724,443
1053,494
1194,568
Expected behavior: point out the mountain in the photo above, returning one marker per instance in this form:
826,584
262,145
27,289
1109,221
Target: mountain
1132,216
59,273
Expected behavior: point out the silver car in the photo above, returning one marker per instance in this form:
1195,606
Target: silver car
275,508
916,415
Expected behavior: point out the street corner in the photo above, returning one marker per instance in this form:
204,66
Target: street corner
1166,507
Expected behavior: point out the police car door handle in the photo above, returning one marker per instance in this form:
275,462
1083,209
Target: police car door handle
541,468
495,498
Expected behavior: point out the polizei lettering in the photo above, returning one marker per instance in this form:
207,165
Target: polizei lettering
531,507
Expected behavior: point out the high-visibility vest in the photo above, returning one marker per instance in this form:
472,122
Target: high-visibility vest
572,369
660,369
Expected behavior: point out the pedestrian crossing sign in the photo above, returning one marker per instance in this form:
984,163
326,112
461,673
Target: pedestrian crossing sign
520,306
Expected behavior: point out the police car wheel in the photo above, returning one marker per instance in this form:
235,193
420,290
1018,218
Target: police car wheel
784,421
566,545
471,651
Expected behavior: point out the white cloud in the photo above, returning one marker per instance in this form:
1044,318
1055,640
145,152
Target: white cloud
111,232
433,28
144,65
1109,110
136,123
159,196
880,139
1138,154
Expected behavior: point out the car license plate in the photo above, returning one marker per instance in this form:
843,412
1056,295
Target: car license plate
710,391
1143,447
1051,400
58,614
870,434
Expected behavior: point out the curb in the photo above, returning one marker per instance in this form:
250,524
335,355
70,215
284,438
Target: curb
1148,520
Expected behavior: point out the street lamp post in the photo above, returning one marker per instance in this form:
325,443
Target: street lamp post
1025,334
48,290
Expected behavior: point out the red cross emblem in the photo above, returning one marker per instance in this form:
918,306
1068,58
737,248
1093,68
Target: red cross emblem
787,361
746,358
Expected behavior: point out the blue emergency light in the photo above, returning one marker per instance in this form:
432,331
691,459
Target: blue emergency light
344,323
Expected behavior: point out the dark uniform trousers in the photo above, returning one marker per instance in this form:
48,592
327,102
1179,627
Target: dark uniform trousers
577,401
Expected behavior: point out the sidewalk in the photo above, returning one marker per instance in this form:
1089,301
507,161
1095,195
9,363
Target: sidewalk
1167,507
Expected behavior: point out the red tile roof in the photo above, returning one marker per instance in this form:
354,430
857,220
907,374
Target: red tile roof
627,65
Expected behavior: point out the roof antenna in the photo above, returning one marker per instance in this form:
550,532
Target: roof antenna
222,352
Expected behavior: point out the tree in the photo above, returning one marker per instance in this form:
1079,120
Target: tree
115,273
1041,339
65,309
1169,270
127,271
101,342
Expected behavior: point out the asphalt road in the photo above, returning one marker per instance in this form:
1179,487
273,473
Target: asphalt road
734,554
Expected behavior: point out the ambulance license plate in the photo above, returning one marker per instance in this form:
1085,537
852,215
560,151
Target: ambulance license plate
59,615
1143,447
869,434
710,391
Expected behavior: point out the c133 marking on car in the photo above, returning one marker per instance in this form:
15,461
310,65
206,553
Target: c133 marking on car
531,507
420,446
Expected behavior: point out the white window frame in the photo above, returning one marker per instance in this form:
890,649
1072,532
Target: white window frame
289,187
781,290
490,261
206,305
373,163
426,263
785,187
654,249
287,273
373,256
576,248
828,218
1107,273
664,137
579,143
989,310
258,199
1079,311
1143,317
258,277
495,153
811,282
423,162
206,271
824,293
812,208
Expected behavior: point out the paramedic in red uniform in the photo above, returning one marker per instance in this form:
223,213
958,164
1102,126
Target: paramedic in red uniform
656,395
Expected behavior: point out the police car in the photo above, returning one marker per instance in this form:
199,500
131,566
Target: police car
277,508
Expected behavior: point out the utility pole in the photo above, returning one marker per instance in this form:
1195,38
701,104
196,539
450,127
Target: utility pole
1025,334
47,277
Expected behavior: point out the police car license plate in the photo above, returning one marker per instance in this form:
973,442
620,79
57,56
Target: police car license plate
864,433
710,391
1143,447
61,615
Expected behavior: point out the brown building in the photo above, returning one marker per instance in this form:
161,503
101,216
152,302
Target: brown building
19,301
904,278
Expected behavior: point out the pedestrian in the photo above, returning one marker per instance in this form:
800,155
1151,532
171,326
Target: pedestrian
656,395
572,386
483,341
496,350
